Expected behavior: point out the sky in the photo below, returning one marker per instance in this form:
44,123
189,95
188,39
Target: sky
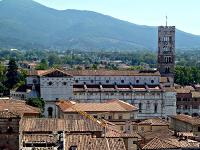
184,14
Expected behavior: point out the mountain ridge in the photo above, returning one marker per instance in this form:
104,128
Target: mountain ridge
27,24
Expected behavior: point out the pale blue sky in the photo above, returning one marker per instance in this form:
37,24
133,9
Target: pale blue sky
184,14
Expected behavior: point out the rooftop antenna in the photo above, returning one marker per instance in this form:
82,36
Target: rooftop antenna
166,21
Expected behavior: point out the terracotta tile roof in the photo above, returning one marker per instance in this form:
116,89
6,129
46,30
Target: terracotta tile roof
185,89
39,138
18,106
8,114
158,143
109,106
163,134
187,119
100,72
183,143
86,142
155,122
49,125
49,71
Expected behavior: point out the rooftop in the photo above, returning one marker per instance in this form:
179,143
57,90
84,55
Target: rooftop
187,119
53,124
154,122
100,72
109,106
17,106
83,141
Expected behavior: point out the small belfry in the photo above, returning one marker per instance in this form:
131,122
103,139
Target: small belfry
166,51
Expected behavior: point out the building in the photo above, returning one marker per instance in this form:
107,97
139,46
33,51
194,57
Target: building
188,100
151,125
140,88
185,123
9,130
73,134
115,111
166,51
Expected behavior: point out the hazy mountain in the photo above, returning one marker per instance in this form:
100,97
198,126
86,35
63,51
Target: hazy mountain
27,24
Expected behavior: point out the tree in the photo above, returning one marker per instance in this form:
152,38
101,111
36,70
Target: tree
36,102
53,59
2,73
12,74
43,65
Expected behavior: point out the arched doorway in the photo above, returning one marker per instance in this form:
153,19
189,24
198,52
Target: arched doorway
50,112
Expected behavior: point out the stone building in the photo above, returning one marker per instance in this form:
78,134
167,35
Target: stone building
115,111
185,123
188,100
140,88
166,51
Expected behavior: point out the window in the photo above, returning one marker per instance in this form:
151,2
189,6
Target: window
64,83
134,128
185,107
195,107
34,81
140,107
109,117
148,105
121,128
92,81
76,81
198,129
122,81
95,116
152,81
103,117
120,116
178,99
107,81
9,129
137,81
155,108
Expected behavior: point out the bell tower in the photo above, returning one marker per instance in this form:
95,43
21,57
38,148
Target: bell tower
166,51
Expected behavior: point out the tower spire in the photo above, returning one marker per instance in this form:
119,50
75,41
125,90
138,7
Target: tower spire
166,21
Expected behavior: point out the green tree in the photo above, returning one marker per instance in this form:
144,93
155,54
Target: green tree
36,102
53,59
12,74
43,65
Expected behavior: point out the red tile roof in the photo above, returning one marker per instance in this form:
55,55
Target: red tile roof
158,143
110,106
187,119
100,72
18,106
155,122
